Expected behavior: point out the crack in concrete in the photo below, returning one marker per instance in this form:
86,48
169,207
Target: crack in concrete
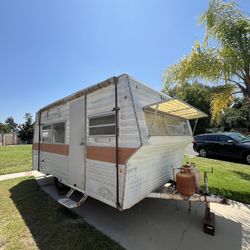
187,228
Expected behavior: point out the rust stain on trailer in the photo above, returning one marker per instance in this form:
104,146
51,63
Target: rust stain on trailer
61,149
107,154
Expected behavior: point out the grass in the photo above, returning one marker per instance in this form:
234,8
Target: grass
231,180
15,159
31,219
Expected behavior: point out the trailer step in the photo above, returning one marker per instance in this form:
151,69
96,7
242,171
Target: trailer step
69,203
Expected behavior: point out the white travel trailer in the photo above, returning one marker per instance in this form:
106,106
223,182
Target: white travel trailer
116,141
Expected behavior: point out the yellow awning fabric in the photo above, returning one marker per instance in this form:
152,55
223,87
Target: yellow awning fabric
177,108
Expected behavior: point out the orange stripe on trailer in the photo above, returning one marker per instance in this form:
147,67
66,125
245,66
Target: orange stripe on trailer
107,154
61,149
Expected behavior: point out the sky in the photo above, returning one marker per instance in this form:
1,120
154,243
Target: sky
52,48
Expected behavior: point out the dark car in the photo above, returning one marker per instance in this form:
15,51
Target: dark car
233,145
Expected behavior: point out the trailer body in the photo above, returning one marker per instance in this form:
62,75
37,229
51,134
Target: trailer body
116,141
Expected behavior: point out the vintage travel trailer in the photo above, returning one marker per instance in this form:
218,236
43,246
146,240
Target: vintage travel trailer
116,141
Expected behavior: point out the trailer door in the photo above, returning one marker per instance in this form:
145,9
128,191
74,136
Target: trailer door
77,144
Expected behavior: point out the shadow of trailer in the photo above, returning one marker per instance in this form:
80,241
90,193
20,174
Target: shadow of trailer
116,141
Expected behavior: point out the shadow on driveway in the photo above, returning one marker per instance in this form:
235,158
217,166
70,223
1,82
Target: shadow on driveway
52,225
151,224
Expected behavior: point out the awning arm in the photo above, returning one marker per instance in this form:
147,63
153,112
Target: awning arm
194,126
153,122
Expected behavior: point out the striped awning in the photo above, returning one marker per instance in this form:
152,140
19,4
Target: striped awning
176,107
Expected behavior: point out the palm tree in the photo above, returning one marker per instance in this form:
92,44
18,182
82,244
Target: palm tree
226,63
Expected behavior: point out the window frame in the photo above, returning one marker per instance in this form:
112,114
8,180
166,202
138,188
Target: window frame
102,125
179,120
51,128
229,138
52,134
64,139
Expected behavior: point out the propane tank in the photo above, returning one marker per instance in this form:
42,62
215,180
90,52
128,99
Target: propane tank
196,174
185,181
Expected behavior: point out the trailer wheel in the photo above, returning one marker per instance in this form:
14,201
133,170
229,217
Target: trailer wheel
203,152
60,186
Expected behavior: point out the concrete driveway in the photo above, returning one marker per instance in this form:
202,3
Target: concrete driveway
161,224
189,150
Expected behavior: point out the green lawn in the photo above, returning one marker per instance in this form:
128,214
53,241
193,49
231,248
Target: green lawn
15,159
31,219
231,180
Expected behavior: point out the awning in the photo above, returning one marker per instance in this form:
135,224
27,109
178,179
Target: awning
176,107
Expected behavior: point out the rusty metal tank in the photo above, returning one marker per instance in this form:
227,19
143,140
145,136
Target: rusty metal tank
185,181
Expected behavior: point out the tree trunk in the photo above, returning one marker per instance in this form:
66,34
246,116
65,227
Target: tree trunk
247,98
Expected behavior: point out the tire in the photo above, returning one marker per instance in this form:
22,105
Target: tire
60,186
246,158
202,152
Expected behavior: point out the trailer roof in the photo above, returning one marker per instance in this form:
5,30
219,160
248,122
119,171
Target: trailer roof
178,108
88,90
80,93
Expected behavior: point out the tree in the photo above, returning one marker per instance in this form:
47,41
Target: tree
4,128
227,63
236,117
27,130
197,95
12,124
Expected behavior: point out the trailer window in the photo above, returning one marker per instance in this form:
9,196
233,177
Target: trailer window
163,125
102,125
47,133
59,132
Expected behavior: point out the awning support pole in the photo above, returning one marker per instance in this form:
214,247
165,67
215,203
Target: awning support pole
195,124
39,140
152,124
116,109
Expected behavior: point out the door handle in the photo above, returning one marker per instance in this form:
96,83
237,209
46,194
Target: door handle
82,143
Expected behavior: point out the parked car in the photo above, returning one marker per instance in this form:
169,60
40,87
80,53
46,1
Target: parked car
229,144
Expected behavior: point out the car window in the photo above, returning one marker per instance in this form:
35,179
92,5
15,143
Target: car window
200,137
240,137
224,138
212,138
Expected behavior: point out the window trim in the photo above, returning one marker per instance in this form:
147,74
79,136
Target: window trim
179,119
52,129
229,138
103,125
64,122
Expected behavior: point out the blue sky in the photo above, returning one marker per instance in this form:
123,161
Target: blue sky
51,48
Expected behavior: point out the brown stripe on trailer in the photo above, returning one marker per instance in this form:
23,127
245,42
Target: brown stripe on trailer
61,149
108,154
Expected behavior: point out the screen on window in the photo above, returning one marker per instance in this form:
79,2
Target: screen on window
102,125
163,125
59,132
46,133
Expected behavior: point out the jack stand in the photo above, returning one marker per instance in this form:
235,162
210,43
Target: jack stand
209,221
189,207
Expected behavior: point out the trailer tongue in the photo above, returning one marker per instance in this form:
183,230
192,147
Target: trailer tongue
170,191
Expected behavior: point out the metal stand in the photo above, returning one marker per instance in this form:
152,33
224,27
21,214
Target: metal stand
209,221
